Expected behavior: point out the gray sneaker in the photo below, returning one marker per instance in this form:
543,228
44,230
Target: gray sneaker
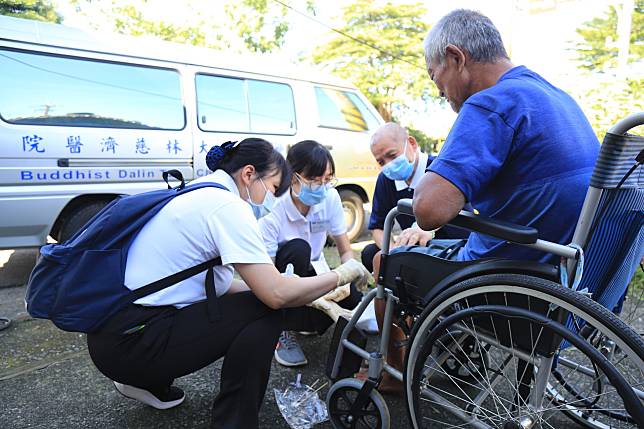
288,352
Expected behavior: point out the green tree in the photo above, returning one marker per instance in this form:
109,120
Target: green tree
246,25
39,10
390,73
426,143
261,24
607,101
597,48
129,20
607,97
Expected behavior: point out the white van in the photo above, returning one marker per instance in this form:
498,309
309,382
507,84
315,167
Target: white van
85,117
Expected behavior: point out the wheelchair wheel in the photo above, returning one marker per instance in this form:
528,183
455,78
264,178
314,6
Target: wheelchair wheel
541,365
341,397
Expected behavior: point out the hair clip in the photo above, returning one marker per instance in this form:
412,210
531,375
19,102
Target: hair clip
230,145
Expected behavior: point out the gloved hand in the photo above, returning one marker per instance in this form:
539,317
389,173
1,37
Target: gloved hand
331,308
338,294
353,271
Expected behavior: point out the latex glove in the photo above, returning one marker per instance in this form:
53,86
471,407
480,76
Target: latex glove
331,309
353,271
338,294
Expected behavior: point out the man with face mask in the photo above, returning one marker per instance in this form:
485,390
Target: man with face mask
403,166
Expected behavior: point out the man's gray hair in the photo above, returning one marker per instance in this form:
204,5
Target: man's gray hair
468,30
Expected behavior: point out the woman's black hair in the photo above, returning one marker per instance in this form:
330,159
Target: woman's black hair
310,159
231,156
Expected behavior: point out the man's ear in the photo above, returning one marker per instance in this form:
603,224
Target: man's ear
412,141
455,54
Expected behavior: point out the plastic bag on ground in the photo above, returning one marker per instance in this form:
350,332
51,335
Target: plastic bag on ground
300,405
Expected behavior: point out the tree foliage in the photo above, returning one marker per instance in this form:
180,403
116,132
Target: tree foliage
392,73
425,142
598,48
246,25
608,101
603,94
39,10
129,20
261,24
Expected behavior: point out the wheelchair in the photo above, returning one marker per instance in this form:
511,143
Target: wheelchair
497,343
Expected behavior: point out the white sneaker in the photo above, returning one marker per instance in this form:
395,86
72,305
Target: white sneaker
172,398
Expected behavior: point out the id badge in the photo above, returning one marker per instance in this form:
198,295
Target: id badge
319,225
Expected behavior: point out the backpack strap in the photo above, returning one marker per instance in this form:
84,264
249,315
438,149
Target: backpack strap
174,279
214,312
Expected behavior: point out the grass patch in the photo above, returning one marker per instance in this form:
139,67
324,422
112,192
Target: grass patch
636,288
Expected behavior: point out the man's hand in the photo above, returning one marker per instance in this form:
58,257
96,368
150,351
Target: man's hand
411,236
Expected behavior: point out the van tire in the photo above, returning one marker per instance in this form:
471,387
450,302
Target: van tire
354,213
78,217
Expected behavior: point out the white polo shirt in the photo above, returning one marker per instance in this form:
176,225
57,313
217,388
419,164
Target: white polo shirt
418,174
285,222
192,229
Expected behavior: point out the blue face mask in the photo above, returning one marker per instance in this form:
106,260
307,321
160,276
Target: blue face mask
399,168
261,210
310,196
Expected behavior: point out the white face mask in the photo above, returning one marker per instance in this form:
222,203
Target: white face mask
265,207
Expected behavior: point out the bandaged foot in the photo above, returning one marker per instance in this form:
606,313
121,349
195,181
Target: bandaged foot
353,271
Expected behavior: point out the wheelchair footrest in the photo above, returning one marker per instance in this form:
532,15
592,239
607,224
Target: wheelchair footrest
350,363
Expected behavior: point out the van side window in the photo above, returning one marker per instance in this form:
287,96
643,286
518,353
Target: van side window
40,89
244,105
343,110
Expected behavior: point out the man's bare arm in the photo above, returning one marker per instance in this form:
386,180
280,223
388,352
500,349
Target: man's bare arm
436,201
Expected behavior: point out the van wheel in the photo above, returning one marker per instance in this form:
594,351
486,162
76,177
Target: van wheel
353,213
78,217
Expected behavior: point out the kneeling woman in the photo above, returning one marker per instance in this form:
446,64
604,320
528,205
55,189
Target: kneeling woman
182,329
296,230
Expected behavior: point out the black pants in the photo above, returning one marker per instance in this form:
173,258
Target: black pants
367,255
298,253
177,342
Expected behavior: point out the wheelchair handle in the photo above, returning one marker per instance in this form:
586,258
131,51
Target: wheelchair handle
629,122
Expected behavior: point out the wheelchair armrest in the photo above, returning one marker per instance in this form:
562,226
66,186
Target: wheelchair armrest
405,207
496,228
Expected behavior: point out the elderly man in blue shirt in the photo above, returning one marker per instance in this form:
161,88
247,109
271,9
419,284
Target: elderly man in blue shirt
520,150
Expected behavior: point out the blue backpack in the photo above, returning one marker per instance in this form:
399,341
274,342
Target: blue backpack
79,284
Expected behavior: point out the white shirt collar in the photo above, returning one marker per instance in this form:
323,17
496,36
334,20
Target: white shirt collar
418,174
221,177
292,212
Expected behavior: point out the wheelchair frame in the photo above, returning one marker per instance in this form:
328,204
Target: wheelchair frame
513,233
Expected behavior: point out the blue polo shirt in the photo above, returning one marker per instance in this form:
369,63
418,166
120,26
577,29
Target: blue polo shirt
386,197
521,151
